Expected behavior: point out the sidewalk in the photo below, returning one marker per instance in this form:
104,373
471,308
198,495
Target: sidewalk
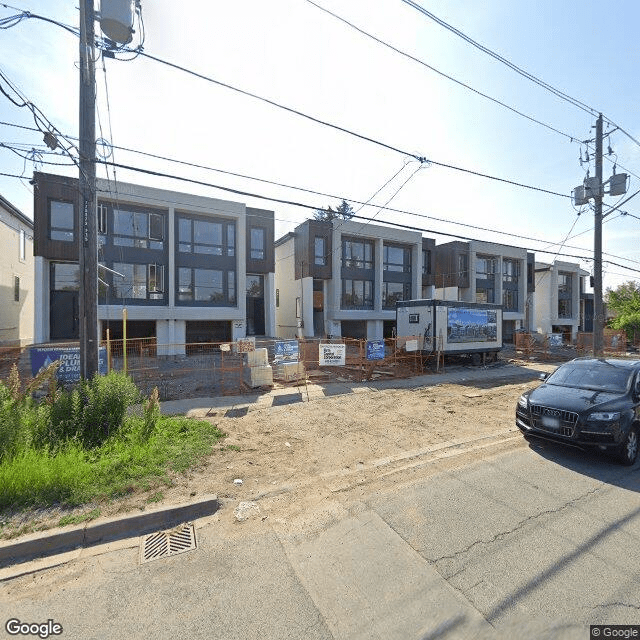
199,407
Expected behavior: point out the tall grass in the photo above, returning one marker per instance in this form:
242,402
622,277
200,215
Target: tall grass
77,446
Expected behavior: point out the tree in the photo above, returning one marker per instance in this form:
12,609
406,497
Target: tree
344,211
625,301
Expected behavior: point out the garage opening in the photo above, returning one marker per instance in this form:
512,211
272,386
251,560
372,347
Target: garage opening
354,329
135,329
199,331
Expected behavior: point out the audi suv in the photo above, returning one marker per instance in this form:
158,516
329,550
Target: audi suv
587,402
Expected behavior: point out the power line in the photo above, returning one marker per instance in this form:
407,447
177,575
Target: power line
345,130
557,92
442,73
312,207
412,213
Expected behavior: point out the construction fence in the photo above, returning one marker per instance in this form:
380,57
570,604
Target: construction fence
231,368
548,347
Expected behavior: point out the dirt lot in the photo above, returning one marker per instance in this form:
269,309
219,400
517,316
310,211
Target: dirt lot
293,458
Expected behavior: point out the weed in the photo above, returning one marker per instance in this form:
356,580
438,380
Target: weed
85,517
156,497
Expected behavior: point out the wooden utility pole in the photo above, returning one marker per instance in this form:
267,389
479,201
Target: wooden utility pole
88,241
598,309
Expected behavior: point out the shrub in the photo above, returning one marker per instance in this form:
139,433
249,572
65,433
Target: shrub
93,411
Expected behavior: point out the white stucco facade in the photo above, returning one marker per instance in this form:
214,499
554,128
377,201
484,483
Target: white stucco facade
16,277
551,280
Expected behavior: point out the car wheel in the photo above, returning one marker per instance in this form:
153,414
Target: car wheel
628,451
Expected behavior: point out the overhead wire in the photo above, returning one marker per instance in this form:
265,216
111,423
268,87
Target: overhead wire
545,85
441,73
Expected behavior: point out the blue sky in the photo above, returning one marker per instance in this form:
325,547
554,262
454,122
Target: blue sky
293,53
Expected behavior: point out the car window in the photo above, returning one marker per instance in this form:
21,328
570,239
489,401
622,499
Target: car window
594,377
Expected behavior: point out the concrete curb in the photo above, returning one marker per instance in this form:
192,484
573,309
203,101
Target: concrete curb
47,544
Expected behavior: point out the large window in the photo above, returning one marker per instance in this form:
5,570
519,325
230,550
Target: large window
426,262
61,221
213,286
510,270
357,294
134,283
564,308
394,291
463,265
258,240
357,254
206,237
485,267
564,283
485,294
510,299
397,259
138,229
65,276
320,251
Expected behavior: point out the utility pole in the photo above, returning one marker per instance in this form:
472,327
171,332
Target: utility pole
88,241
598,311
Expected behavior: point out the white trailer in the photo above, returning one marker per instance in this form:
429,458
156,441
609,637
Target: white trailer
453,328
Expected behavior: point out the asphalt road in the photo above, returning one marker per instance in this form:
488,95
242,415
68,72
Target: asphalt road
536,542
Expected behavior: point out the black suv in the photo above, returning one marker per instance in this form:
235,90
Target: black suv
587,402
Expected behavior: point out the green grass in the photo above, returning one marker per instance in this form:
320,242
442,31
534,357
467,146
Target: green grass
73,475
85,517
59,462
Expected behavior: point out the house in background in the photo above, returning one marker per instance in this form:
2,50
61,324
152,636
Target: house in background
477,271
558,298
343,278
187,268
16,276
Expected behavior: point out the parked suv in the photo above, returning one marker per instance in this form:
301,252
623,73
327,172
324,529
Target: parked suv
587,402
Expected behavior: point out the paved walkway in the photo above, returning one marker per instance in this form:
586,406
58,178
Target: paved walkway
199,407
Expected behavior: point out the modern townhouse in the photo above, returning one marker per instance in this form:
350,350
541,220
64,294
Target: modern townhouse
478,271
558,298
187,268
342,278
16,276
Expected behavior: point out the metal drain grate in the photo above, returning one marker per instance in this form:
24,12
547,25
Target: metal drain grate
167,543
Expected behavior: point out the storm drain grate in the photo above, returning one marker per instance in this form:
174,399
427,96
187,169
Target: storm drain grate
168,543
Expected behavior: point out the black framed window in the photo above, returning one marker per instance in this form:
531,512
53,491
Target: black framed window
211,286
564,308
426,262
134,284
258,239
510,270
139,229
61,220
16,288
463,265
484,294
65,276
485,267
357,254
510,299
320,251
206,237
394,291
564,283
357,294
397,259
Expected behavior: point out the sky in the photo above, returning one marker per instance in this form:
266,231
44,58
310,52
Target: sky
295,54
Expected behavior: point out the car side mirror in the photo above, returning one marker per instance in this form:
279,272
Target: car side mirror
543,376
